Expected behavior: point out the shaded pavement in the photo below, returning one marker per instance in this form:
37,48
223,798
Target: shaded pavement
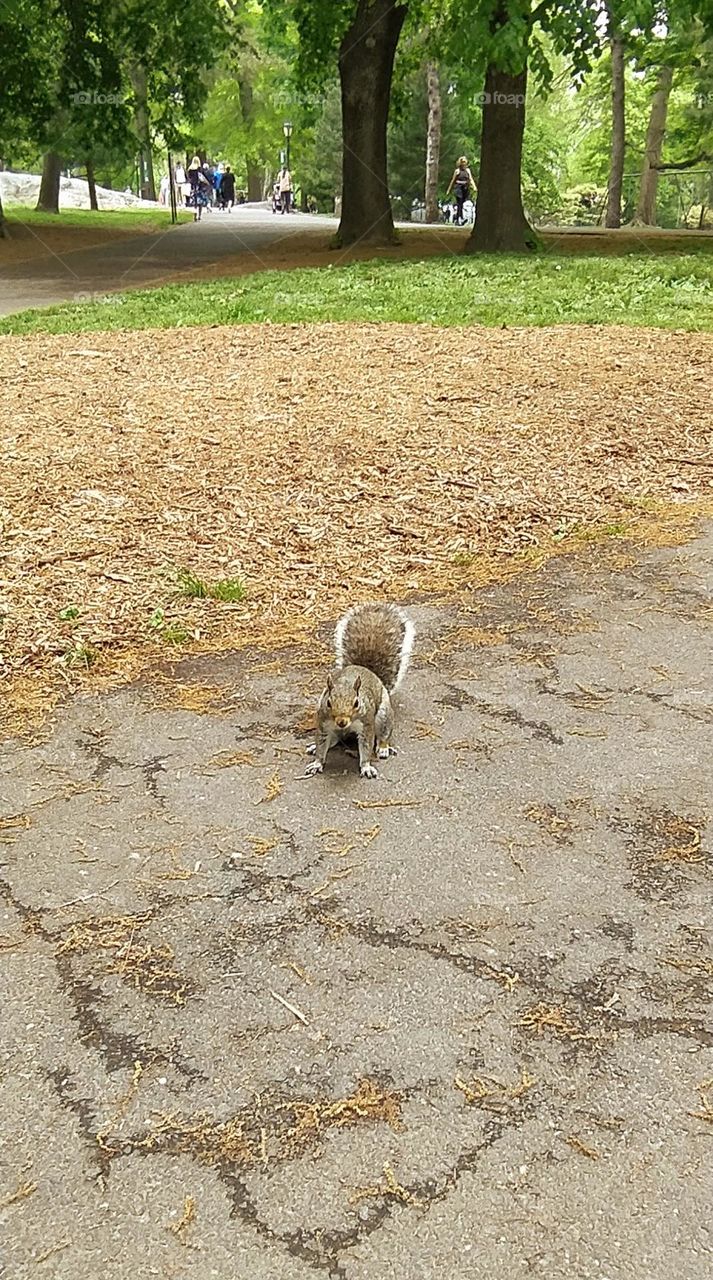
455,1022
81,275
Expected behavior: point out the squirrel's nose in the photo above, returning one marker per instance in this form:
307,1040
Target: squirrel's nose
342,722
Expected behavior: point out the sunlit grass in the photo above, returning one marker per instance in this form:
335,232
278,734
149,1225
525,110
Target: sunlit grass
673,291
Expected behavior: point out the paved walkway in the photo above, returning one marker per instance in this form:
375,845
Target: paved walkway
452,1023
83,274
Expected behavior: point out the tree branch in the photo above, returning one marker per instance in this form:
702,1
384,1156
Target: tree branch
703,157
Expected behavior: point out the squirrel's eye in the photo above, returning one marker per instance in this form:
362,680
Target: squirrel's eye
329,704
356,703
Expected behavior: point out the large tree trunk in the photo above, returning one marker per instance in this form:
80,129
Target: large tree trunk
433,142
500,222
366,63
618,133
252,164
646,204
256,180
142,127
48,199
91,183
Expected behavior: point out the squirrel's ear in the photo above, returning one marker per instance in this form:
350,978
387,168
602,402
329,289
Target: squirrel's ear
357,684
330,683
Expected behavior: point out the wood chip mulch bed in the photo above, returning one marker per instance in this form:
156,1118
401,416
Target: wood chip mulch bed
320,464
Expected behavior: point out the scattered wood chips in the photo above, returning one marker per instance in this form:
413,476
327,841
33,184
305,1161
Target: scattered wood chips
268,1131
554,1018
181,1228
706,1111
389,1189
21,1192
143,965
400,455
486,1091
577,1145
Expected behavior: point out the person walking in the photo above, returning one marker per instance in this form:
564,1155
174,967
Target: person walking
461,184
200,188
226,193
217,179
208,173
179,177
285,183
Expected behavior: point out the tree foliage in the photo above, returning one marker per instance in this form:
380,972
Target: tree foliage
223,75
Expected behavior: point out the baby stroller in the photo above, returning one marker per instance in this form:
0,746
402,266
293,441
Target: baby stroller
276,205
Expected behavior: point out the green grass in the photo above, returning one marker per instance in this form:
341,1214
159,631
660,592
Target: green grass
229,590
673,291
80,654
171,632
138,220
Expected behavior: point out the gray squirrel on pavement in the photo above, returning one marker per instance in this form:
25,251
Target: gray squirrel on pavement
373,645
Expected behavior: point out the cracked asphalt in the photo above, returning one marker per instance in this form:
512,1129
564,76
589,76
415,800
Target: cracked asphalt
253,1030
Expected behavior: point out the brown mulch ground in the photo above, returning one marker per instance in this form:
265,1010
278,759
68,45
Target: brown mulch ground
321,464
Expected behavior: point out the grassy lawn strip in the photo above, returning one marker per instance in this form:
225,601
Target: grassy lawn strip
138,220
674,292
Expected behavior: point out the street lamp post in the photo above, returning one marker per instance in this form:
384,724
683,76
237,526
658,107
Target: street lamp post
287,130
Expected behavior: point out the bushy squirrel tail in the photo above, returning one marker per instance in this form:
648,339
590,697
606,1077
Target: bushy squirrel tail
379,637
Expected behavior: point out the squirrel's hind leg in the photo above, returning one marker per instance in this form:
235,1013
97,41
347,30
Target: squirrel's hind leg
384,727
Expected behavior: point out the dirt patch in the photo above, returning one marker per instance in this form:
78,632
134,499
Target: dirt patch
313,247
608,243
314,465
29,243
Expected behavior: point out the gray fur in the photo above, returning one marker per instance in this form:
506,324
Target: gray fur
377,636
373,644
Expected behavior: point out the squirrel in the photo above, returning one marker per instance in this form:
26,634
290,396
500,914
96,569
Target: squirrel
373,644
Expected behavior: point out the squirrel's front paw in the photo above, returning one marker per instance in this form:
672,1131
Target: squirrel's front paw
384,750
311,748
315,767
368,771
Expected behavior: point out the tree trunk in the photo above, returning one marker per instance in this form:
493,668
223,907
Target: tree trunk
646,204
433,142
4,233
48,199
500,222
91,183
252,164
618,134
256,180
142,127
366,63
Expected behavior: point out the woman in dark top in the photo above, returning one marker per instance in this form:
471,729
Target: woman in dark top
198,199
461,184
226,190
